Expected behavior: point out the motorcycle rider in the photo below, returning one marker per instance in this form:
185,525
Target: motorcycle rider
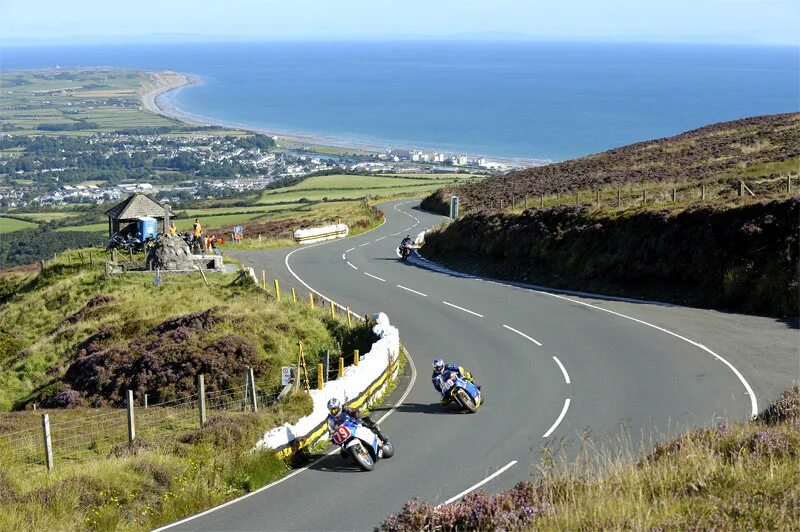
337,411
439,367
405,246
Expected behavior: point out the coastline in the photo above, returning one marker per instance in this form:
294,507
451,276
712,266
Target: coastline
157,100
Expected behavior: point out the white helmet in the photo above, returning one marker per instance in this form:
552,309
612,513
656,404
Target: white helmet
334,406
438,365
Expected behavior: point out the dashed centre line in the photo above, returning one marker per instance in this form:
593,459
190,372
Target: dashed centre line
412,290
375,277
379,239
534,340
344,256
563,369
349,250
463,309
351,265
364,244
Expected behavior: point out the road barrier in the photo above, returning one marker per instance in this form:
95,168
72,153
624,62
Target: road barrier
319,234
360,385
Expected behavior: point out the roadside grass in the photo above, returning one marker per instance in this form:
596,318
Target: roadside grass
161,478
44,318
744,476
9,225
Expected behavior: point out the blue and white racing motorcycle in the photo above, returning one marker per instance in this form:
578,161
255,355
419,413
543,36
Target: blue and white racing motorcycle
460,390
358,441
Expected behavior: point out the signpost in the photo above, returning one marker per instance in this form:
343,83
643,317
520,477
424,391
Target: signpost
286,375
453,207
238,233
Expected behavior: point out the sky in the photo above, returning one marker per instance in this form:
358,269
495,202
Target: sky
24,22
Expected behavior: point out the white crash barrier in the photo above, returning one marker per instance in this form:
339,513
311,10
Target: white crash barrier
319,234
420,239
359,385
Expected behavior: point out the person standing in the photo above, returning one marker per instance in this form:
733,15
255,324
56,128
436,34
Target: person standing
172,229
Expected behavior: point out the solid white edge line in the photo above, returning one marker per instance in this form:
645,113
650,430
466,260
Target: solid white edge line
563,369
534,340
481,483
411,290
560,418
318,460
349,250
750,392
375,277
464,309
351,265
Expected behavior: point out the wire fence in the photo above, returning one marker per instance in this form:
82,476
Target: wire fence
101,433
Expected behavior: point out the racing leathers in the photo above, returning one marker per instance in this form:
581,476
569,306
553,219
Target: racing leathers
335,420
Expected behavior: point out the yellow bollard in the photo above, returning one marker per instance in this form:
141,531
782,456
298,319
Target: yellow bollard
349,319
355,357
277,291
320,377
264,279
294,296
341,367
311,299
333,311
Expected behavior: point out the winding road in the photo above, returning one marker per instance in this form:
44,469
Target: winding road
556,369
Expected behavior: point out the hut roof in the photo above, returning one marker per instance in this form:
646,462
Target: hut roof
137,205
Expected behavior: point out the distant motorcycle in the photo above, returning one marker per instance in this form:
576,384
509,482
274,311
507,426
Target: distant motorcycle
404,251
460,390
360,443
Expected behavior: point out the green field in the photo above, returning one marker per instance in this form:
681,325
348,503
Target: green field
358,186
8,225
46,216
183,224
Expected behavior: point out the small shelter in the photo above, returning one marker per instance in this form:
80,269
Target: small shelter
129,212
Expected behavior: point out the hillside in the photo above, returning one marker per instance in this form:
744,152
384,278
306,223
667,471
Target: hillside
756,147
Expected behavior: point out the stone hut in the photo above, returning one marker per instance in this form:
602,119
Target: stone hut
129,211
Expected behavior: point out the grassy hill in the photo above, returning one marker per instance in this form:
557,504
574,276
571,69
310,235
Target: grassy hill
758,148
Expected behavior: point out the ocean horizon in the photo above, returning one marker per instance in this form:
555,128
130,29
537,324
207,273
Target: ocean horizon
522,100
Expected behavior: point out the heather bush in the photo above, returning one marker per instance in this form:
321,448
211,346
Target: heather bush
786,409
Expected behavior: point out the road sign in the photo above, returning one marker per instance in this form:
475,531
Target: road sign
238,232
286,375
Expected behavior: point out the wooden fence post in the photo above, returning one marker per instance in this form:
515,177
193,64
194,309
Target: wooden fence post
356,357
341,367
277,291
294,296
644,196
619,198
333,311
131,420
702,192
311,299
320,379
264,279
91,258
349,319
201,395
674,194
788,184
48,442
145,402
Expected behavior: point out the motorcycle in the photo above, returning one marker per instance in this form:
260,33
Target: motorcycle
460,390
404,251
360,443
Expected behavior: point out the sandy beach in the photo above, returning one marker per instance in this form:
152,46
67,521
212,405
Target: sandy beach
154,98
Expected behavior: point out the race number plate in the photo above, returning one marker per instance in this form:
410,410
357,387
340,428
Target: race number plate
341,435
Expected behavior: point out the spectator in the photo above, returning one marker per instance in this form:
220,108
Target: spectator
172,229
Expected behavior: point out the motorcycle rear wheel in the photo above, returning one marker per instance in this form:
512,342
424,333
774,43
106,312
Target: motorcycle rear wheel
466,401
362,457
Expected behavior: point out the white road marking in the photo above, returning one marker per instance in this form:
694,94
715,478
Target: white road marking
351,265
481,483
379,239
349,250
397,233
462,308
534,340
364,244
375,277
344,256
563,369
560,418
750,392
410,290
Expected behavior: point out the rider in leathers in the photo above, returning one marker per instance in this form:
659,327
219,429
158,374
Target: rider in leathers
439,367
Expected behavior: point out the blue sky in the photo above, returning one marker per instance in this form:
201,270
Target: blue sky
717,21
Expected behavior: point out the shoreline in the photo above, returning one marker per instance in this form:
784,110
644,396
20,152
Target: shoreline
156,100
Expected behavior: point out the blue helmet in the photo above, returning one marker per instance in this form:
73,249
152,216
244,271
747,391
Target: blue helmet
438,365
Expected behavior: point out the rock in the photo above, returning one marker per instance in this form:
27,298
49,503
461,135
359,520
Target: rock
170,252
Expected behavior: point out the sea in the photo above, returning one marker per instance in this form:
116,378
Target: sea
525,100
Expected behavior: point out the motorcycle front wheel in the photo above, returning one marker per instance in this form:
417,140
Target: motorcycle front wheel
362,457
466,401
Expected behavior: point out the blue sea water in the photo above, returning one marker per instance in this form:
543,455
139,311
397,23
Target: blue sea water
513,99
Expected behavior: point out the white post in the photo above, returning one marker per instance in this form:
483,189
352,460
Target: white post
201,393
48,444
131,421
251,381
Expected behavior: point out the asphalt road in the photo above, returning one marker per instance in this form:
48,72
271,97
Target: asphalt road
556,369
